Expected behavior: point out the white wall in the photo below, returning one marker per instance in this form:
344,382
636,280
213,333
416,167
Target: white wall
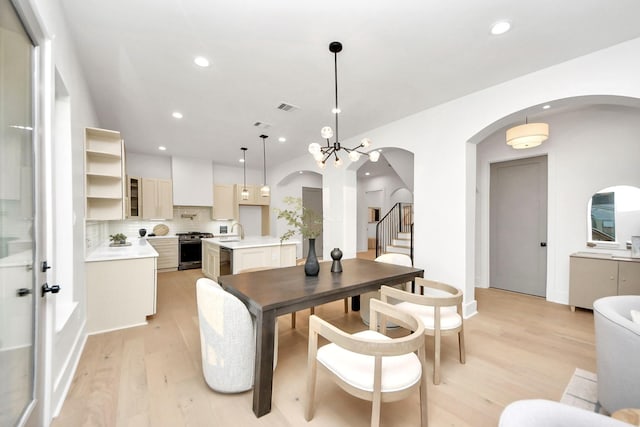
587,150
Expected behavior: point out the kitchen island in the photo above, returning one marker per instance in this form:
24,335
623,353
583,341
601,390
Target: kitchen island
233,255
121,286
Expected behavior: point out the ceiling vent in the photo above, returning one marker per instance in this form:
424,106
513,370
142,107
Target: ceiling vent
262,125
287,107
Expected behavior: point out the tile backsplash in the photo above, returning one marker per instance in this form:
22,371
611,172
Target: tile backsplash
185,218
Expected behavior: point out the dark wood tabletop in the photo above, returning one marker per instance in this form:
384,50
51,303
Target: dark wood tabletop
274,292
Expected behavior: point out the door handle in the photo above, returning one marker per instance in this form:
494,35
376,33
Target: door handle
23,292
53,289
543,244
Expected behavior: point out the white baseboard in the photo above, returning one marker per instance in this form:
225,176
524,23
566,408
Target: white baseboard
65,378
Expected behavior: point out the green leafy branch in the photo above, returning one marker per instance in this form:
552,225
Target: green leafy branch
304,221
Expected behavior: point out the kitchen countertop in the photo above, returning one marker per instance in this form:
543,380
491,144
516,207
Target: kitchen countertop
139,248
606,256
168,236
248,242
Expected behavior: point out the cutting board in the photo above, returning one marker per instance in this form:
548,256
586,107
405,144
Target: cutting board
160,230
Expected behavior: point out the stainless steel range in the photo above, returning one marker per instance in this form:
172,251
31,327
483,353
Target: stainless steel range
190,249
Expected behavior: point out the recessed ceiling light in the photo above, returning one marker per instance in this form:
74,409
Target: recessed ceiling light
177,114
367,173
282,139
500,27
546,107
301,172
380,150
201,61
162,148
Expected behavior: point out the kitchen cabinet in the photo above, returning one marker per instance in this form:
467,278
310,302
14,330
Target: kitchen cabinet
120,293
134,199
167,248
225,205
157,198
210,260
104,174
268,256
255,199
593,276
254,252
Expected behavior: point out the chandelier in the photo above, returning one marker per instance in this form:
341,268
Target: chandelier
322,153
528,135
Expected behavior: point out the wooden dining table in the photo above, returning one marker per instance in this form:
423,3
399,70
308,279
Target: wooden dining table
275,292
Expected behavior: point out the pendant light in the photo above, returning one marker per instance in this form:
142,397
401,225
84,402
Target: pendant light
322,153
265,191
244,194
527,135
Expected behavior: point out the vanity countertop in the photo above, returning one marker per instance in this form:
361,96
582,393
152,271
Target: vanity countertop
139,248
248,242
605,256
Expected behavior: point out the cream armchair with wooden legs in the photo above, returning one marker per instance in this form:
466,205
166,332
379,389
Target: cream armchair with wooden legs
440,309
368,364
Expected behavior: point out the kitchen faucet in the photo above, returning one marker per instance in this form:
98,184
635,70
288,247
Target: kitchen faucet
240,227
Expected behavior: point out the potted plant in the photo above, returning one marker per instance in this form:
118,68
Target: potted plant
118,239
307,223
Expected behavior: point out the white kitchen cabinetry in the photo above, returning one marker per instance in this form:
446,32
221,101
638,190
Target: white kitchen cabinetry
192,179
120,293
104,174
594,276
167,248
225,204
255,199
157,198
267,257
210,260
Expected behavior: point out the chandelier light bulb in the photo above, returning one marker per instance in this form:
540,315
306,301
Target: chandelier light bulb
321,164
317,156
338,162
354,156
374,156
365,142
326,132
314,148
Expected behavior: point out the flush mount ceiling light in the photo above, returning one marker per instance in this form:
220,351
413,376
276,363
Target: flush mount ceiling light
162,148
177,115
500,27
201,61
322,153
245,192
527,135
265,191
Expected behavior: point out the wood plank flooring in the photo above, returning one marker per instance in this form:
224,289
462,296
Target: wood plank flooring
517,347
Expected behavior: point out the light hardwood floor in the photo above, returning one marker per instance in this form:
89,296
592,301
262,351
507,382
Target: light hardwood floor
517,347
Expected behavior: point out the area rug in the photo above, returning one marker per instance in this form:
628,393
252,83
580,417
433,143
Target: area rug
582,391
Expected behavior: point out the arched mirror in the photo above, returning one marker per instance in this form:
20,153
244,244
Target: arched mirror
613,216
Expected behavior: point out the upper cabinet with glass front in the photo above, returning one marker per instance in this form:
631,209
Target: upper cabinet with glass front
104,174
613,216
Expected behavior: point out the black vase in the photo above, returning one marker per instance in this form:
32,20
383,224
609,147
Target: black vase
311,266
142,232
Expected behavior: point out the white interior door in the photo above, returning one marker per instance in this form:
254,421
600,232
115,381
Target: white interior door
19,250
518,211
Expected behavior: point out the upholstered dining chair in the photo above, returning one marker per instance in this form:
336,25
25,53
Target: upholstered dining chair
227,339
389,258
369,364
440,309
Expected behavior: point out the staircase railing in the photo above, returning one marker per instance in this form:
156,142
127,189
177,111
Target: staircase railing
399,219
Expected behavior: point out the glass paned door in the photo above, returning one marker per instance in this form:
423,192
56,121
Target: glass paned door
17,277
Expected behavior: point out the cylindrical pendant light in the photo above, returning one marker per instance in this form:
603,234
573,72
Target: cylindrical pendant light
244,194
528,135
265,191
